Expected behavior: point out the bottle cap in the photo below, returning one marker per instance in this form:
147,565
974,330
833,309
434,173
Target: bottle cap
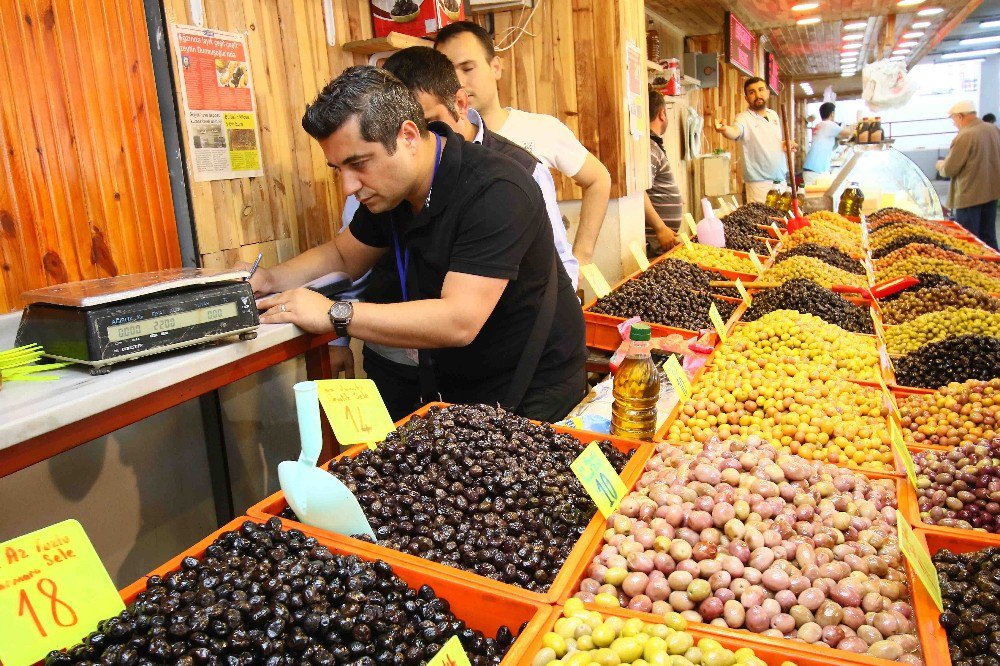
640,332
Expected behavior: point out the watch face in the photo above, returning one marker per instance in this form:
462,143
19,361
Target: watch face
341,310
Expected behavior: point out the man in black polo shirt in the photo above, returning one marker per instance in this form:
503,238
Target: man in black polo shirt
485,299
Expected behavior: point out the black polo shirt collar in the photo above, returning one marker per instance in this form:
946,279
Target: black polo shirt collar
446,180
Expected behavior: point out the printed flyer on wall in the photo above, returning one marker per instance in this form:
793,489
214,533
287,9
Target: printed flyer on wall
218,100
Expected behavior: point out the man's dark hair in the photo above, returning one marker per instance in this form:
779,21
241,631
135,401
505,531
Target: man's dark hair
422,69
990,118
749,82
655,104
380,101
455,29
826,110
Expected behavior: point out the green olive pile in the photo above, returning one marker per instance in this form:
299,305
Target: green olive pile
671,293
806,296
912,304
951,360
954,414
825,253
934,326
813,269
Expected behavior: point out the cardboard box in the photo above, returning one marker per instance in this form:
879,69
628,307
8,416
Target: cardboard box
400,16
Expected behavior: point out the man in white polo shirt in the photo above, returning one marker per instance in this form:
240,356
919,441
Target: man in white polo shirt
758,129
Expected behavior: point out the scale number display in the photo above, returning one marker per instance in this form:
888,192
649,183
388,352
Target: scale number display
136,329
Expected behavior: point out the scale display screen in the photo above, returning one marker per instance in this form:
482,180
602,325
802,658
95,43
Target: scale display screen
136,329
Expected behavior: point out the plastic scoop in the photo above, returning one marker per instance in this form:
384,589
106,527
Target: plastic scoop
710,229
317,497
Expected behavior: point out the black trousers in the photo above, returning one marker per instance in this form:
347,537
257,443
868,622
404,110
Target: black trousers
399,385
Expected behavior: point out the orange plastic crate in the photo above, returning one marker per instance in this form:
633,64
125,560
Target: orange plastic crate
481,609
276,504
820,655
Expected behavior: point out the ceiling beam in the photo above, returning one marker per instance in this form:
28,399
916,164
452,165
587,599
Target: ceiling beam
945,29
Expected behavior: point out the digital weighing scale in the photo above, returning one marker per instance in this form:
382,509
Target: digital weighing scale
111,320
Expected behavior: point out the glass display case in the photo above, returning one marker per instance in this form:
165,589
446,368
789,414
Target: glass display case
887,177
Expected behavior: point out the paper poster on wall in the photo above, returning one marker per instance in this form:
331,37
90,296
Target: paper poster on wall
218,103
634,67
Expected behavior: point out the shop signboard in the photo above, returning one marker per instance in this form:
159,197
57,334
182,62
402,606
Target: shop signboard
741,46
771,67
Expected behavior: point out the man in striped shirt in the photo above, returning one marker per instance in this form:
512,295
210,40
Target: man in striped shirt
664,205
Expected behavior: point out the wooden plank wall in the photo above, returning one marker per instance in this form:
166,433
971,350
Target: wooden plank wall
298,201
84,190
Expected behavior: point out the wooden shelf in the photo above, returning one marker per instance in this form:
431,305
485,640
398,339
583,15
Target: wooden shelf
653,67
394,41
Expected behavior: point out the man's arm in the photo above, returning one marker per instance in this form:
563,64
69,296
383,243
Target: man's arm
543,177
731,132
664,234
955,160
594,179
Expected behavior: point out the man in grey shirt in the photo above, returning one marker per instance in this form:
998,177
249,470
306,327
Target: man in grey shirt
664,205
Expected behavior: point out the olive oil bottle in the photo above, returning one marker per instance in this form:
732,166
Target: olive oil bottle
851,201
636,389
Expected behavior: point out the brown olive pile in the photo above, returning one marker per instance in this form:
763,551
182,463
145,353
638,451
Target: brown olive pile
933,252
911,239
951,360
806,296
970,587
477,488
765,210
960,488
927,281
825,253
954,414
742,230
918,302
671,293
263,595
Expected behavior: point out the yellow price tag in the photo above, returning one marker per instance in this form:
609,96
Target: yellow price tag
691,225
599,478
877,324
743,290
678,378
883,357
355,410
899,446
919,559
687,241
451,654
770,248
734,202
720,326
755,260
596,280
890,401
777,231
639,252
53,592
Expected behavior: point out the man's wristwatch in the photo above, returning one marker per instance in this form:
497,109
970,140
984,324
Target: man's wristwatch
341,314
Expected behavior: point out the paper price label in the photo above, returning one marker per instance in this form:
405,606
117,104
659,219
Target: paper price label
596,280
877,324
770,248
639,252
355,410
919,559
899,446
777,231
53,591
743,290
720,325
755,260
890,401
678,378
600,479
451,654
689,221
686,241
884,361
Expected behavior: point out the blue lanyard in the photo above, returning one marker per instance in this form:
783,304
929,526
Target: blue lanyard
403,258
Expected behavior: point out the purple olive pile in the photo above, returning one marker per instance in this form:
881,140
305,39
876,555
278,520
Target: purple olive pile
479,489
263,595
960,488
970,590
742,536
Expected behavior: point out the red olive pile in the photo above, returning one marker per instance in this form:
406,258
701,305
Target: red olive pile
960,488
263,595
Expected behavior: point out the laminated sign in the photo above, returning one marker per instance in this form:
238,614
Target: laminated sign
599,478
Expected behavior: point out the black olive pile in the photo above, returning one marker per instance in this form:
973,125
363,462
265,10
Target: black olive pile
671,293
830,256
263,595
952,360
910,239
808,297
742,232
766,211
926,281
404,8
970,590
476,488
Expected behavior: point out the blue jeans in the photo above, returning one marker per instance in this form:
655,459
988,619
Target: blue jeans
980,220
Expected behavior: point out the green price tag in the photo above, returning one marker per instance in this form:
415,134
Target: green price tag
919,559
689,221
639,252
720,326
687,241
743,290
899,446
53,592
678,378
356,411
755,260
451,654
596,280
599,478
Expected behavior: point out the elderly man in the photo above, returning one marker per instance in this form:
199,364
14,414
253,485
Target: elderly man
973,163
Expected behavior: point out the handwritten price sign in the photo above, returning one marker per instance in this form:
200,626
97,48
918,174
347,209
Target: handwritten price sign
53,592
599,478
755,260
919,559
596,280
355,410
451,654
